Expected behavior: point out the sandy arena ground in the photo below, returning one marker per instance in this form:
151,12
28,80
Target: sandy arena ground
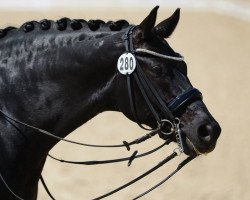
216,49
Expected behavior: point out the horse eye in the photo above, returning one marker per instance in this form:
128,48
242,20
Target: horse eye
157,70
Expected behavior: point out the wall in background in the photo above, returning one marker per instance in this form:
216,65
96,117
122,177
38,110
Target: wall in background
239,9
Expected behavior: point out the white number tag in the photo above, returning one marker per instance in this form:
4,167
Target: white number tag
126,63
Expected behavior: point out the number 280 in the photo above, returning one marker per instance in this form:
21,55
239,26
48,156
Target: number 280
126,63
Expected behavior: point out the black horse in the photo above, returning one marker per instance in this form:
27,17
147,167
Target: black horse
58,75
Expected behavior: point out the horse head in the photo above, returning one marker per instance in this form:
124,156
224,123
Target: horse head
65,72
200,130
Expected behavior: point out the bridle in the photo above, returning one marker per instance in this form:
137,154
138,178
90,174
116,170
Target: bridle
163,112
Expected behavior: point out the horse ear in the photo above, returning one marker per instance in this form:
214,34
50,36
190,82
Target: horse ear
167,27
148,23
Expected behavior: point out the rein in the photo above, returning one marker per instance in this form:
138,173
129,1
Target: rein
162,111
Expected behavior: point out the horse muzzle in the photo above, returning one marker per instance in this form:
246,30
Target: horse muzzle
204,139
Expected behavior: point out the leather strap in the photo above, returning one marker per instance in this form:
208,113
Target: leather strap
185,99
132,105
146,98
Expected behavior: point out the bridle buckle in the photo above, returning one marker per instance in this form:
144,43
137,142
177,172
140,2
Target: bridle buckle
163,122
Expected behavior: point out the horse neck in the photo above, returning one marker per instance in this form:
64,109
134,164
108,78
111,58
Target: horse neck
60,77
58,90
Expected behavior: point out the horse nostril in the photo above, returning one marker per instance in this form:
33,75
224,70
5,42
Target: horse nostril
209,132
204,132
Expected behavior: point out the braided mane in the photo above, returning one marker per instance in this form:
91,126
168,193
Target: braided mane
67,24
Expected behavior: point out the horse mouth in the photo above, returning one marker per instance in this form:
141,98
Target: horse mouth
190,148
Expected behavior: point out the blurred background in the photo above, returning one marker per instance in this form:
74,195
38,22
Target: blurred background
214,37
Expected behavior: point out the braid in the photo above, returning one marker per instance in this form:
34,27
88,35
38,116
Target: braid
76,24
3,32
28,26
118,25
63,23
95,24
45,24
